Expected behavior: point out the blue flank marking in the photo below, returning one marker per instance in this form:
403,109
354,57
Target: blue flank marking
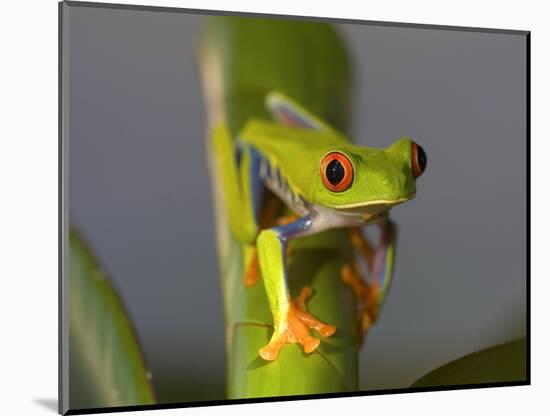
278,177
264,175
256,184
267,168
238,152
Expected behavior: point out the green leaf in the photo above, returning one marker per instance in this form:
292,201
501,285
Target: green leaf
105,361
501,363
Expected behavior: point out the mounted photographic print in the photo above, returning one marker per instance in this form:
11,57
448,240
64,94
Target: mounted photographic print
276,207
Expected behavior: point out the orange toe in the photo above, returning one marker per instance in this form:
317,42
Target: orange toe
366,321
311,344
271,351
327,330
296,329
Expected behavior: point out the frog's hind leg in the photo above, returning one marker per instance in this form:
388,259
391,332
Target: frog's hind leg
366,293
372,293
240,185
243,195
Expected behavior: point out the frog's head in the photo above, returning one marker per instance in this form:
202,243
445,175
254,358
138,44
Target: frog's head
367,182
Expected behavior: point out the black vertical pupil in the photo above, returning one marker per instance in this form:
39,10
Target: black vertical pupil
335,172
421,157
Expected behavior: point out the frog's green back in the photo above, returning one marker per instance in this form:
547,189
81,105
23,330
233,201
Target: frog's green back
241,60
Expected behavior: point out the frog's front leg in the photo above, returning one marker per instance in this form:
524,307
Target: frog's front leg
291,321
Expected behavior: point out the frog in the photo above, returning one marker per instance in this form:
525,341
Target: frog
326,182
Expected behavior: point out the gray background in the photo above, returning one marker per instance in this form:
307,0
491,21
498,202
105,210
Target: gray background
139,189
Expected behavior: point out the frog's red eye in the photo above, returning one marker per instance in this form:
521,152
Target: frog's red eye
419,160
336,171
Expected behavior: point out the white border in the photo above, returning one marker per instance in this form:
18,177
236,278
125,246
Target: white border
28,217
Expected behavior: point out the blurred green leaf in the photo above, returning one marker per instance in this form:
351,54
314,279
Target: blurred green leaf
105,361
502,363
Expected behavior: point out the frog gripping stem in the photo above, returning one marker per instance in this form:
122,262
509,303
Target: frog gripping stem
296,329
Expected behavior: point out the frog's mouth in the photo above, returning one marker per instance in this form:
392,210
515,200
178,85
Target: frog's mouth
371,211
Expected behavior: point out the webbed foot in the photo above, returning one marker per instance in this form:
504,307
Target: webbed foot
295,329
